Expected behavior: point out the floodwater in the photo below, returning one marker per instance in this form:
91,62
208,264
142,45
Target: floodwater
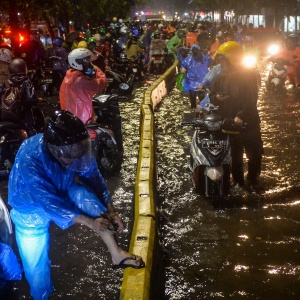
250,249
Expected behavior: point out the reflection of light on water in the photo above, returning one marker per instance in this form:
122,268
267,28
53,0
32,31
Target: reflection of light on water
273,218
293,203
243,237
286,270
239,268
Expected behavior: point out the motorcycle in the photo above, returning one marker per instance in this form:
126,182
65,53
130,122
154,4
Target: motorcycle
106,132
157,64
114,79
43,78
276,79
210,154
11,137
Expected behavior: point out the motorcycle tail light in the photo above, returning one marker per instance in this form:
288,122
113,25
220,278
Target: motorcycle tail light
24,134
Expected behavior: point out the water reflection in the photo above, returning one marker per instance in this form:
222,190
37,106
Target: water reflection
251,248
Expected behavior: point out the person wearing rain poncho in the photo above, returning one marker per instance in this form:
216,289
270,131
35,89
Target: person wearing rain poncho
55,178
196,66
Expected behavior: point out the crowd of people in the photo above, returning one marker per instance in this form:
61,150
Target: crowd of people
56,179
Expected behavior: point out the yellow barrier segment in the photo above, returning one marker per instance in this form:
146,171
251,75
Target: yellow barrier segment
136,283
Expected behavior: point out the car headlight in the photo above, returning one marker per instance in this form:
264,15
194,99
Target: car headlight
250,61
273,49
213,125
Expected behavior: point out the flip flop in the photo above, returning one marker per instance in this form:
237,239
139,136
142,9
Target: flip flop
121,265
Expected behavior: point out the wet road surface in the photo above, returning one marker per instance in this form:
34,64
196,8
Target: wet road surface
250,249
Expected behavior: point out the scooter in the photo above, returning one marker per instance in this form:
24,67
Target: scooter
106,133
43,78
210,153
276,79
11,137
157,64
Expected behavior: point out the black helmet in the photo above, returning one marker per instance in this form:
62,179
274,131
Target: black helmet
17,67
68,140
156,35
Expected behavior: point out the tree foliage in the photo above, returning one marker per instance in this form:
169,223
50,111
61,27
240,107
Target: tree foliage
62,11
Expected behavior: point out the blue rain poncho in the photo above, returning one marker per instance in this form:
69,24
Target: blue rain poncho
39,188
40,191
197,68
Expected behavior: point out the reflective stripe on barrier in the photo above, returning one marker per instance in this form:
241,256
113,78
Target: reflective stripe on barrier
136,283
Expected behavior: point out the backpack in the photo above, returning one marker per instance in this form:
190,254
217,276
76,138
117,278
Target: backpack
11,107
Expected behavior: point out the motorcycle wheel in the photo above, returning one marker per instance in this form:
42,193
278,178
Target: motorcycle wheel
215,192
109,162
199,179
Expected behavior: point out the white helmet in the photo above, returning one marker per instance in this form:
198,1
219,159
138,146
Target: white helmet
124,29
5,55
76,54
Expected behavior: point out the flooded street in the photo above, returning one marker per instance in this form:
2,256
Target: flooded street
250,249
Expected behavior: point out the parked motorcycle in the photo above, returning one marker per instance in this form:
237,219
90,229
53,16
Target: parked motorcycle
106,133
210,154
114,79
276,79
44,78
11,137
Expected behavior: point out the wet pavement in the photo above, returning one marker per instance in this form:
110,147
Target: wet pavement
250,249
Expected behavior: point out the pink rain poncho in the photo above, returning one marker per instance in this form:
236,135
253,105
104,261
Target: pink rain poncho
77,90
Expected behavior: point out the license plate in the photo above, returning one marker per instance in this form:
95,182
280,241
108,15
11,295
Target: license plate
134,70
47,80
156,61
216,144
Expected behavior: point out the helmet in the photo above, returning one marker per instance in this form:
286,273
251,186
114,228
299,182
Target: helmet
82,44
17,67
97,37
67,139
92,40
233,51
76,57
123,29
5,55
160,26
156,35
58,41
181,33
114,19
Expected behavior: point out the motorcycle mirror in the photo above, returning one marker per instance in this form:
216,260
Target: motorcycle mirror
101,98
124,86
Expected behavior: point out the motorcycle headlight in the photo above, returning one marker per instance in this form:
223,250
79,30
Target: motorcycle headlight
213,125
250,61
273,49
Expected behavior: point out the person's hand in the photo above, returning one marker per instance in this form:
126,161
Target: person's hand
200,87
238,121
116,221
222,97
182,70
100,224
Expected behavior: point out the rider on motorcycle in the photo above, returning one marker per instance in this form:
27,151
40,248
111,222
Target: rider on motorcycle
290,56
157,47
19,80
81,82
